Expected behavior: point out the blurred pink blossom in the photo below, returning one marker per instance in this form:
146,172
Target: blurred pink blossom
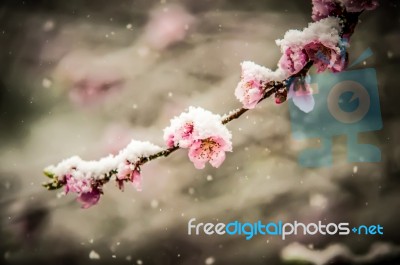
167,26
324,8
360,5
89,79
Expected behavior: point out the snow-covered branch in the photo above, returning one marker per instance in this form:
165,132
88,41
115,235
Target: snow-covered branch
322,44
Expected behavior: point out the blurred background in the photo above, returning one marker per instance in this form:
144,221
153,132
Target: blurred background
85,77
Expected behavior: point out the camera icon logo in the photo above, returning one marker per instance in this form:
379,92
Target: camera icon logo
345,109
346,103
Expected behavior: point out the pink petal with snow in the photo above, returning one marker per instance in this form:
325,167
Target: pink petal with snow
89,199
137,180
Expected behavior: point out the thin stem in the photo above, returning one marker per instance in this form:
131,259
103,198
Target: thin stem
236,114
270,89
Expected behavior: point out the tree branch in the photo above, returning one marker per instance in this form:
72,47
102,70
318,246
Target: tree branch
279,88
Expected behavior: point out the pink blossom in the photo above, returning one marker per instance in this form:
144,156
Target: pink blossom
90,80
203,133
293,60
88,199
324,8
130,173
136,180
319,42
94,89
170,141
86,178
88,194
251,87
77,185
360,5
249,92
209,150
300,92
325,57
183,134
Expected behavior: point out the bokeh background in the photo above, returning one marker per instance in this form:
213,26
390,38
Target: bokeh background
85,77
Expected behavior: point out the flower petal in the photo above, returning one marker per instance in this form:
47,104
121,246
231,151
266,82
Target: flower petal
89,199
217,159
197,155
137,180
304,102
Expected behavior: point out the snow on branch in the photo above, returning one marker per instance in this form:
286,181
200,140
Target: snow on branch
86,178
322,44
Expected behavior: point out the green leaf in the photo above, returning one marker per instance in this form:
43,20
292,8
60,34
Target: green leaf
53,185
48,174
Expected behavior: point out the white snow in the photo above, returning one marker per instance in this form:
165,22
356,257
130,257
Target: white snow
253,71
97,169
296,251
94,255
46,83
205,125
325,31
209,261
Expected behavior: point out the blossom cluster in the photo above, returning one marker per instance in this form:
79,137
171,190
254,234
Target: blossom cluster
86,178
253,82
323,43
325,8
319,42
299,47
203,133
